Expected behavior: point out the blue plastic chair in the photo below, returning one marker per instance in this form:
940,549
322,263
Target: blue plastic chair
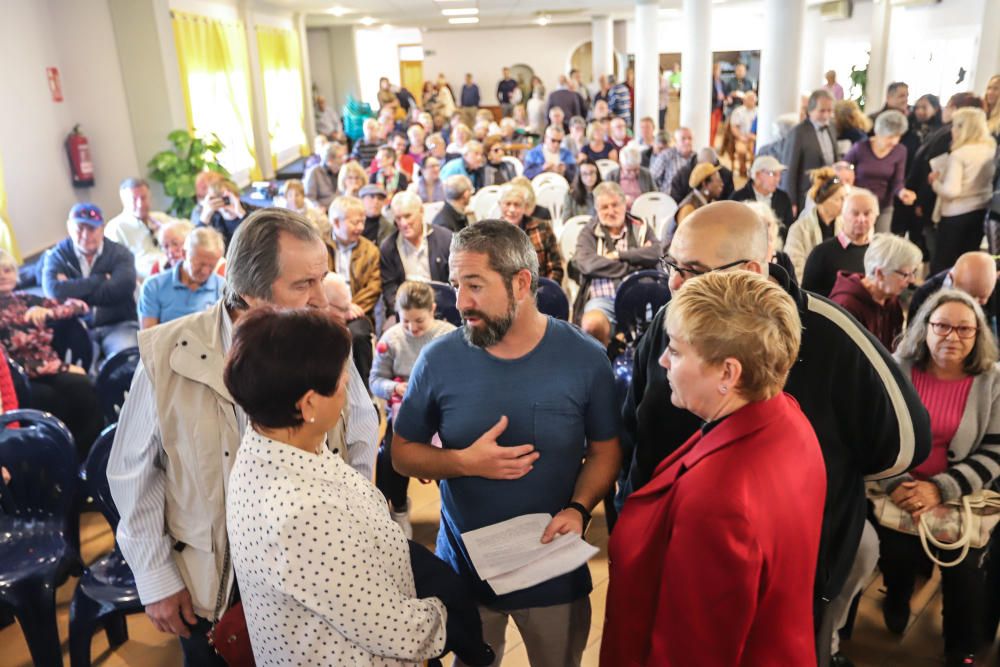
638,299
71,340
106,592
114,380
39,530
552,300
22,385
446,300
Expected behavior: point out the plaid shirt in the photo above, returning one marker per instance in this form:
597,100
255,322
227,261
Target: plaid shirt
605,287
664,165
550,261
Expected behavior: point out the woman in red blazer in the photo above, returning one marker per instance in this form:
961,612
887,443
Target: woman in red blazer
712,562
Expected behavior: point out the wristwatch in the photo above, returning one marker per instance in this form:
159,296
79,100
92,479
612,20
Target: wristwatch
583,512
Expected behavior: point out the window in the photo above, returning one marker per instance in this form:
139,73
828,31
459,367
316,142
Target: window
281,72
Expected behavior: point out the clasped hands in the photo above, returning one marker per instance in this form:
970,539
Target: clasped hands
916,497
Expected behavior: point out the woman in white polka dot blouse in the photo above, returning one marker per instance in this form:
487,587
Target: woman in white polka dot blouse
323,572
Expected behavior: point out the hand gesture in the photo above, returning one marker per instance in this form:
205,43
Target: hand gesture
907,196
171,613
485,458
399,389
567,521
36,315
916,497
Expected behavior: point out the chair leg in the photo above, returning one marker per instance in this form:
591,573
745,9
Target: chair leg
83,624
116,628
37,616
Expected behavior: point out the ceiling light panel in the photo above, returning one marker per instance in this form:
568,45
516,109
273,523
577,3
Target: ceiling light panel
463,20
460,11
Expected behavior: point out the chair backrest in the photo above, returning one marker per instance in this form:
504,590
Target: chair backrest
551,299
605,167
114,380
546,178
518,165
71,341
655,208
95,475
552,196
484,201
446,300
41,458
431,210
570,232
22,385
638,299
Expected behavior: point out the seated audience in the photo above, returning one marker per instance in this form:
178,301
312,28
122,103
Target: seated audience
557,117
294,195
513,204
774,254
974,273
497,171
418,150
680,186
891,264
322,181
454,214
414,251
618,135
765,174
404,162
610,247
964,188
222,209
845,251
550,157
356,259
880,165
469,165
395,354
819,223
320,142
377,226
645,139
532,209
460,135
631,175
351,179
664,165
388,175
26,335
202,182
291,499
706,187
99,272
327,120
597,146
136,227
580,198
171,238
577,137
437,146
189,287
734,337
950,357
508,131
365,148
428,185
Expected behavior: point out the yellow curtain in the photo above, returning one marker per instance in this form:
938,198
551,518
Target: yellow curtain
7,240
215,74
281,71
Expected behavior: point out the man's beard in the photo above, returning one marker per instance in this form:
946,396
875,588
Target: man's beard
492,329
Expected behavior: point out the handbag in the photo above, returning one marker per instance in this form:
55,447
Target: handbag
231,638
955,525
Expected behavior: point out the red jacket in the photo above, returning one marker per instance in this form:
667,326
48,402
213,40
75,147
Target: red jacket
884,321
712,562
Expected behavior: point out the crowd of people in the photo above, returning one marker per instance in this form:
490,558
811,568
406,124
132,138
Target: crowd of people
796,359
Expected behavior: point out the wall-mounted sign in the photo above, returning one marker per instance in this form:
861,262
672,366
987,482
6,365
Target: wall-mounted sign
55,87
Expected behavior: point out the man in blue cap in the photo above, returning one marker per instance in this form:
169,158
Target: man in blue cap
88,267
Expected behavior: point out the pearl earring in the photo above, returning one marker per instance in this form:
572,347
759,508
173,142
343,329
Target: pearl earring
723,389
312,420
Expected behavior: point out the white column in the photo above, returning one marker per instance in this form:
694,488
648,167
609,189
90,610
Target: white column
307,99
696,69
647,60
813,43
779,64
602,46
988,61
878,60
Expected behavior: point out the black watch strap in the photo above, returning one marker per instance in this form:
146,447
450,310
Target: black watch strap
583,512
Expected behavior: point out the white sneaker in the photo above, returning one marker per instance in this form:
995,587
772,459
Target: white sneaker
403,519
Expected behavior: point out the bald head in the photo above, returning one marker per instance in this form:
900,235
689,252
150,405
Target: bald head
338,293
975,273
721,233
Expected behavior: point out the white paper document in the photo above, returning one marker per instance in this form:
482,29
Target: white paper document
510,556
938,163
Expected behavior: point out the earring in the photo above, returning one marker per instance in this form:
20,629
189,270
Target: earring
312,420
723,389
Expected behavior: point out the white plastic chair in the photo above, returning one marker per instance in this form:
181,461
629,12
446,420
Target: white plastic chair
431,210
570,232
518,166
655,208
552,196
605,167
546,178
485,201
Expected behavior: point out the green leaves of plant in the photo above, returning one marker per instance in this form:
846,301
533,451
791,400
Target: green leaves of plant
178,167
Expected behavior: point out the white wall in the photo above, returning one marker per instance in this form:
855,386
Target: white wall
319,63
76,37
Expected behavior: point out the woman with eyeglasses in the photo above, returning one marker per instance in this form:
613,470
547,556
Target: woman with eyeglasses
497,170
891,264
820,222
580,198
950,355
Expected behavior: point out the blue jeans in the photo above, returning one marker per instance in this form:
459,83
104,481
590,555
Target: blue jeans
111,338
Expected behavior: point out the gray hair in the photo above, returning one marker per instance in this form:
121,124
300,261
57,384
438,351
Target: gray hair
891,253
7,260
253,260
577,121
891,124
341,206
913,346
404,201
330,150
816,96
630,156
508,248
204,238
183,226
784,124
768,217
708,155
133,183
609,188
855,192
515,191
456,186
469,147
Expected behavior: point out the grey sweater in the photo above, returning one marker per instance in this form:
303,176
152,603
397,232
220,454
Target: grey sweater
396,353
974,452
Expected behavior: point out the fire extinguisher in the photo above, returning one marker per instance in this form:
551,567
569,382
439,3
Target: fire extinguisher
80,165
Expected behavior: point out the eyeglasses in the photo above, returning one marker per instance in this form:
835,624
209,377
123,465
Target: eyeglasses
943,329
672,267
906,275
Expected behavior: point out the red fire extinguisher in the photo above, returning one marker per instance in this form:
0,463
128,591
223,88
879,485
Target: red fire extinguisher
80,165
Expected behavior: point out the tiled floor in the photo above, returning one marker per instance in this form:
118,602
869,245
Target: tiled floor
871,645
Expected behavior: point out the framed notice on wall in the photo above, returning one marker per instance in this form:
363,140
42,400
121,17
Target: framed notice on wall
55,87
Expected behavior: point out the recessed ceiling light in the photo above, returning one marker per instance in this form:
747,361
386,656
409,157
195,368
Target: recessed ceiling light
339,11
543,20
368,20
386,27
460,11
464,19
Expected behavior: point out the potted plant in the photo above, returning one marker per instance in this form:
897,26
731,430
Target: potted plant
178,167
859,84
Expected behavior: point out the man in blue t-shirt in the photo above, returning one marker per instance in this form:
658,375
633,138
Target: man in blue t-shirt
525,409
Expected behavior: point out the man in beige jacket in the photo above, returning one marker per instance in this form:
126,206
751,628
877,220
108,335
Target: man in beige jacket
179,431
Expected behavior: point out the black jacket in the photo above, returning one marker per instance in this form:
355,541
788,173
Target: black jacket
802,155
109,290
868,419
391,264
449,218
936,283
781,204
679,187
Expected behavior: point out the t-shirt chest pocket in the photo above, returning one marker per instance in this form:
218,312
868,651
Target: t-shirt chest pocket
559,428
